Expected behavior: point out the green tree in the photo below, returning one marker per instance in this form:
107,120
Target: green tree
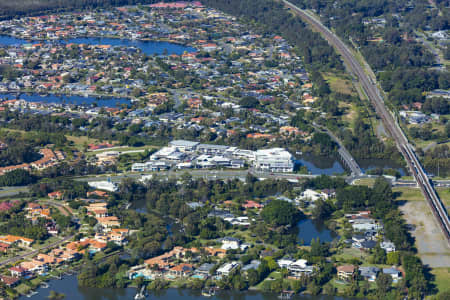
393,258
280,213
384,282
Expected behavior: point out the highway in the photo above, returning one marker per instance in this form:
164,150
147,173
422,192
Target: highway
374,95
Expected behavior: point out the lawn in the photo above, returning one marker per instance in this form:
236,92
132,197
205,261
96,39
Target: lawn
408,193
444,194
365,181
442,279
36,281
339,84
23,289
272,276
350,253
415,194
80,141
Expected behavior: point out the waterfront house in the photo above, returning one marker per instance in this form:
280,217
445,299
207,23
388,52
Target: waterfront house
296,268
227,269
393,272
346,272
369,273
181,270
17,271
205,269
9,281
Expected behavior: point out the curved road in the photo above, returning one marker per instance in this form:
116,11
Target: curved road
374,95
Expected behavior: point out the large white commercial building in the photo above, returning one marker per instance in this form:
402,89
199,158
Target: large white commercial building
183,145
274,160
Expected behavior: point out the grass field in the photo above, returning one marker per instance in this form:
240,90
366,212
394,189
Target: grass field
80,141
442,279
408,193
365,181
23,289
415,194
339,84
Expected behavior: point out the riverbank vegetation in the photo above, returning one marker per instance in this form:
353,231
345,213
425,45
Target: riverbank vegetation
198,228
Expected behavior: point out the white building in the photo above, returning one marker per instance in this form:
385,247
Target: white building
183,145
274,160
103,185
296,268
311,195
227,268
168,153
284,263
388,246
230,243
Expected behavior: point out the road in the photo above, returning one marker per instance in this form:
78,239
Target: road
200,173
34,252
343,152
423,39
373,93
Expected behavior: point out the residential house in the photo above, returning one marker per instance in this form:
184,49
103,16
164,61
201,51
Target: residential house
346,272
230,243
227,269
17,271
204,270
9,281
181,270
394,273
388,246
369,273
16,240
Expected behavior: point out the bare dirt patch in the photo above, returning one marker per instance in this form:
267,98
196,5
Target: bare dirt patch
430,242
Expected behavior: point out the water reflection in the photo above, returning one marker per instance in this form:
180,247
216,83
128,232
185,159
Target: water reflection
312,229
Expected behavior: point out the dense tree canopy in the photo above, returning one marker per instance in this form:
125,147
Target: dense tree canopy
279,213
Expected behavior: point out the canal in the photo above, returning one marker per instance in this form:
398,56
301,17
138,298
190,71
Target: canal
147,47
69,286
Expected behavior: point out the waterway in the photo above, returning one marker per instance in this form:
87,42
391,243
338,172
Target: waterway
330,165
68,286
66,99
321,165
312,229
370,164
147,47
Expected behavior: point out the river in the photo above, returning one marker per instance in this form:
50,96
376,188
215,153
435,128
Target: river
68,286
147,47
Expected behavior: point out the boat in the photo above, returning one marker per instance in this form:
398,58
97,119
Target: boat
286,295
208,292
31,294
44,285
141,294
